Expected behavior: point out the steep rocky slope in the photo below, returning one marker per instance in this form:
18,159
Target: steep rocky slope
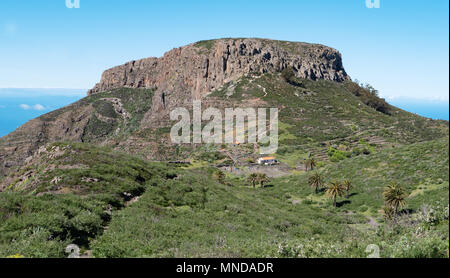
192,71
203,66
94,173
128,110
199,68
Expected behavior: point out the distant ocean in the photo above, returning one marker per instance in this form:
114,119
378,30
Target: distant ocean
17,106
434,109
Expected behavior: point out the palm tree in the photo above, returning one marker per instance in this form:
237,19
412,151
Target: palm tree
395,196
348,185
316,181
219,176
388,212
310,163
253,179
334,190
262,178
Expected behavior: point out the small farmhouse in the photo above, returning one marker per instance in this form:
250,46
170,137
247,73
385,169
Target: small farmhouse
270,160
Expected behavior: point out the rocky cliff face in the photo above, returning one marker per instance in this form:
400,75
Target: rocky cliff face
182,74
192,71
201,67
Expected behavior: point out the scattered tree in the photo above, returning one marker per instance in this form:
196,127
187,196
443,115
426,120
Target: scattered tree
348,185
253,179
369,96
395,197
315,181
334,190
388,212
310,163
263,178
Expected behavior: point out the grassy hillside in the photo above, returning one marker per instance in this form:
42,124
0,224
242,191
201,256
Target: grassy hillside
116,205
239,221
98,190
314,117
66,195
320,111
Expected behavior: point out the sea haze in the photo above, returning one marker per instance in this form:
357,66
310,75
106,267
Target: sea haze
17,106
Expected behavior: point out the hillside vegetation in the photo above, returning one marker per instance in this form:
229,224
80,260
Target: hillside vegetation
116,205
314,117
67,195
356,175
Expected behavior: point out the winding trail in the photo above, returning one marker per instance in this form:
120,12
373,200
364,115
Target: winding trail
264,90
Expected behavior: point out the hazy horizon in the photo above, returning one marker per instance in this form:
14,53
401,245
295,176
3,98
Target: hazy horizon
19,105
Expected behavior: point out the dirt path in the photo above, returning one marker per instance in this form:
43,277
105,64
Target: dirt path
264,90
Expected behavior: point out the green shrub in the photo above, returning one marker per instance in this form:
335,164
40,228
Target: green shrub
289,76
337,155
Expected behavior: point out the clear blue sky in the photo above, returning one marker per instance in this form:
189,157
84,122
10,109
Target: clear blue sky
402,48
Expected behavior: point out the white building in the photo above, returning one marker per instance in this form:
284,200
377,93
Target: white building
270,160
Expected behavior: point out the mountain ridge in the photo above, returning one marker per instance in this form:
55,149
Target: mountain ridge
103,173
136,120
223,59
192,71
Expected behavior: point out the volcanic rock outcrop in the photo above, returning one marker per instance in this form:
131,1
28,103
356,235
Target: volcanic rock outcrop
196,69
204,66
181,75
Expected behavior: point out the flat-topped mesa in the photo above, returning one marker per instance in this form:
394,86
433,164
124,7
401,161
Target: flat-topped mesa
201,67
